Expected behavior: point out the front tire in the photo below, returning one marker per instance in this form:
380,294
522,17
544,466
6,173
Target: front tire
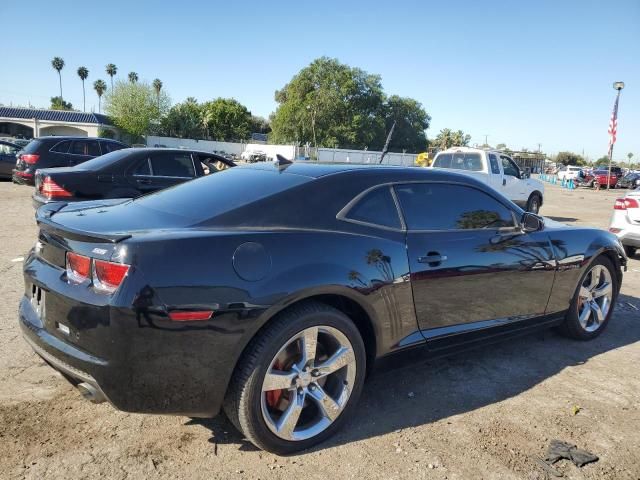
298,380
534,202
593,301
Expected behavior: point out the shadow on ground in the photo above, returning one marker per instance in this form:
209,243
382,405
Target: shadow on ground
414,388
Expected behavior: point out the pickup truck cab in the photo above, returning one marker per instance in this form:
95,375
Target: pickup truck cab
497,170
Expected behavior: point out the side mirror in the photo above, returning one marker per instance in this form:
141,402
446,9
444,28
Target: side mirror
526,173
531,222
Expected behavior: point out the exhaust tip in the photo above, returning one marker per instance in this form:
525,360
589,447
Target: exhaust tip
91,393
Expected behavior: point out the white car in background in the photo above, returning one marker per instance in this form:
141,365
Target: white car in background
497,170
568,172
625,221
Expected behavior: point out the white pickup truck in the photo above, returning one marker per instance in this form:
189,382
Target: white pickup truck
497,170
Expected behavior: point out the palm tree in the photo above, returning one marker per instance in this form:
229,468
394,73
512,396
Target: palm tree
100,87
157,85
111,71
629,156
58,64
83,73
133,77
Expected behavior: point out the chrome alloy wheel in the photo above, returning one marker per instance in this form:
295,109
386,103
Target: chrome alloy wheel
308,383
594,298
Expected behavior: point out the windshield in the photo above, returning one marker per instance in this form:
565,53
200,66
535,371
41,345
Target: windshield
207,197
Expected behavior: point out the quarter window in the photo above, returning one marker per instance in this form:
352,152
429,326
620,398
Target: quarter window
376,207
433,206
170,164
62,147
493,160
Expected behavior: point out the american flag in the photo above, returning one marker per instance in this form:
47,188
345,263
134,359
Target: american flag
613,125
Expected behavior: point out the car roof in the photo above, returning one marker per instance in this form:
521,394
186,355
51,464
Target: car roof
57,138
471,150
4,142
317,170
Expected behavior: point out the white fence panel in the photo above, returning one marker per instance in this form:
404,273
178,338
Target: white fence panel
205,145
340,155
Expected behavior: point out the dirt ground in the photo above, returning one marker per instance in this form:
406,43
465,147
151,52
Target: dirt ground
486,413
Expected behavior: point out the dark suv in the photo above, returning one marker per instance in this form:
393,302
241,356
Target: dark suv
48,152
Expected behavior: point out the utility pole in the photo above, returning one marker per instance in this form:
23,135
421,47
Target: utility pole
485,139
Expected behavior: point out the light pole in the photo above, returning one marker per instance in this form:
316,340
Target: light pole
613,127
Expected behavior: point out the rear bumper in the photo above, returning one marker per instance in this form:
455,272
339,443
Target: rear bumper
23,178
628,233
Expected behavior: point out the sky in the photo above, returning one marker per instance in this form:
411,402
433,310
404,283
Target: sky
522,73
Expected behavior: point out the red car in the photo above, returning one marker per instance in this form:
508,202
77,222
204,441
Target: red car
598,178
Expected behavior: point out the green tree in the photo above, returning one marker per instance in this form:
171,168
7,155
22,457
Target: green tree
83,73
111,70
184,120
133,107
447,138
328,103
604,160
57,103
501,146
133,77
411,122
630,156
260,125
570,158
157,86
100,87
58,64
226,119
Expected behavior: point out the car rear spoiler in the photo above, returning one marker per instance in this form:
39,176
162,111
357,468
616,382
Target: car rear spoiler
43,219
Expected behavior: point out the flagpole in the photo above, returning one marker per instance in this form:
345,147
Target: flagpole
617,86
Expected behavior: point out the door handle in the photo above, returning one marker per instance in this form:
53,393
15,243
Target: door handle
144,181
504,182
433,259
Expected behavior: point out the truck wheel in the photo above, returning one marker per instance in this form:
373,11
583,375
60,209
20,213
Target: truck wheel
533,204
596,185
299,380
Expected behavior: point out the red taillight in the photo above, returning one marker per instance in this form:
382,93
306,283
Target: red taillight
186,316
107,276
51,189
78,267
625,203
29,158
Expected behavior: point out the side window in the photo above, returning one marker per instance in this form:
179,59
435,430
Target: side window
376,207
85,147
510,167
211,164
433,206
172,164
108,147
493,160
62,147
143,169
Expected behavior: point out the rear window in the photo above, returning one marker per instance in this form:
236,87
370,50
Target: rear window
575,169
459,161
104,160
32,146
207,197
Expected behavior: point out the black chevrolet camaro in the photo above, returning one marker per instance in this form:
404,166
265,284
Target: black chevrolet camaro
270,290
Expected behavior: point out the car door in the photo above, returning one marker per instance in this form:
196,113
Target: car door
163,169
83,150
496,177
471,265
7,159
512,186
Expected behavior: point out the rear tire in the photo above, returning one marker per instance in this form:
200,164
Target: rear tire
320,401
592,307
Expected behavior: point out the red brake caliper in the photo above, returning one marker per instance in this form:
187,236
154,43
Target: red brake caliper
273,396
